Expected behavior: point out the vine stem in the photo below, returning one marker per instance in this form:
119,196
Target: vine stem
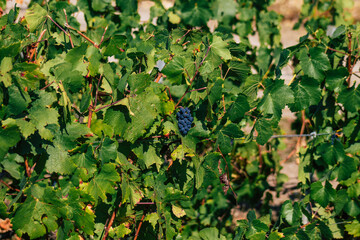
33,51
199,89
27,168
349,65
66,19
66,33
109,105
192,79
138,230
10,187
83,35
111,221
48,85
90,107
227,172
179,39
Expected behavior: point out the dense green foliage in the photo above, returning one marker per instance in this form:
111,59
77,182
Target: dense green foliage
88,143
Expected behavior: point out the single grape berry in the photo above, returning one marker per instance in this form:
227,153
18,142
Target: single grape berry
184,120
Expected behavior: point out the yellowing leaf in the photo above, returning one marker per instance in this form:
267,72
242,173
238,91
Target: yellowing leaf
178,211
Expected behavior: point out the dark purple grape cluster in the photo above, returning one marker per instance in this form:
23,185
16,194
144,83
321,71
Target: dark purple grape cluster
184,120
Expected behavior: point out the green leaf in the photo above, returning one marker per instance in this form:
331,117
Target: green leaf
220,48
10,164
100,5
223,142
238,71
238,109
353,228
196,14
174,69
350,98
116,46
335,78
332,153
122,230
322,194
117,117
9,137
352,208
27,220
151,157
306,93
314,62
26,128
103,183
143,114
59,161
80,213
35,16
6,65
216,91
346,168
224,10
139,82
264,128
276,96
232,130
94,56
18,100
290,213
211,234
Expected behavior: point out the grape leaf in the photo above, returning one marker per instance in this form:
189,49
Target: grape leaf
103,183
34,16
306,93
276,96
220,48
264,128
314,63
322,194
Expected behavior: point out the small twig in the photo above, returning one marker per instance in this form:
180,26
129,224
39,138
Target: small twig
28,173
91,107
349,65
138,230
334,50
48,85
179,39
66,33
223,114
199,89
109,105
83,35
66,19
227,172
226,73
158,77
102,37
10,187
145,203
151,35
36,45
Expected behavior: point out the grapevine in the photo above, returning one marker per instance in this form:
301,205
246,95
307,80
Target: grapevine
113,127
